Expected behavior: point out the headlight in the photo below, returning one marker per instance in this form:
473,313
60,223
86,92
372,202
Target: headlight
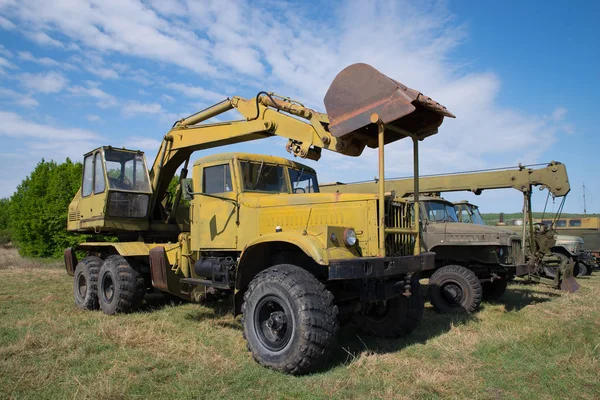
350,237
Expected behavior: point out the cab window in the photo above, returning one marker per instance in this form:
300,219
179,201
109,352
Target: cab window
99,184
561,223
575,222
88,176
303,181
216,179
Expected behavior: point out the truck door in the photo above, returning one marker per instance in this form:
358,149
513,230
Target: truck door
217,208
93,190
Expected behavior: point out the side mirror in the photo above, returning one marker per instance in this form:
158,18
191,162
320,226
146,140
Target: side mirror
187,189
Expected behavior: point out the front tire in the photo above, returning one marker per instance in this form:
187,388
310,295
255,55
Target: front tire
85,283
392,318
290,320
454,288
121,289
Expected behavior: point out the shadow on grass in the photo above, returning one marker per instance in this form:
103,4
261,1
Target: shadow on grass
516,298
352,343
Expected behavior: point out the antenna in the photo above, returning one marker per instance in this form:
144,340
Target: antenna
584,205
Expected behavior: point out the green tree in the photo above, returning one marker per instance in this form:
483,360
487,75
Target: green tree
4,221
38,209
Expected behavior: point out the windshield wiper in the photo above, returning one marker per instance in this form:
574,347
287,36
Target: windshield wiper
299,177
262,162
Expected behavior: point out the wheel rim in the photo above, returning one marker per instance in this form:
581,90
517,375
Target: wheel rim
452,293
273,322
108,288
377,311
81,286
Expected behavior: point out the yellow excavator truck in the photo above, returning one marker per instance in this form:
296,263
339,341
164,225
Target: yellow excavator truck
297,261
475,261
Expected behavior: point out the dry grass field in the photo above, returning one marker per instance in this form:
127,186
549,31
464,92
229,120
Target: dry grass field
536,343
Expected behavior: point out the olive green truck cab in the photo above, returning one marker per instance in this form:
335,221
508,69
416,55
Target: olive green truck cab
296,261
473,262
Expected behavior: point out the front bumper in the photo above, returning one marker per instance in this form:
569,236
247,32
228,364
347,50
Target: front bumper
379,267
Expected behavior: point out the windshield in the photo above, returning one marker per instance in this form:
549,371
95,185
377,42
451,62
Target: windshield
126,171
303,181
438,211
262,177
476,216
469,214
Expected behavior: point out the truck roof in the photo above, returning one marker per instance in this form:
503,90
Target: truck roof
253,157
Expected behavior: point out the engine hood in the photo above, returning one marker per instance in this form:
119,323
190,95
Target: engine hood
284,199
457,232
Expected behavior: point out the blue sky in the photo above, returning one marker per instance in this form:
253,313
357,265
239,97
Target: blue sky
521,77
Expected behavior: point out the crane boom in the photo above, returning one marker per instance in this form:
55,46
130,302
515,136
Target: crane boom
552,177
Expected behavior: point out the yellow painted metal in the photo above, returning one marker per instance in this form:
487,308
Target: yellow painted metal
554,177
131,249
381,182
417,193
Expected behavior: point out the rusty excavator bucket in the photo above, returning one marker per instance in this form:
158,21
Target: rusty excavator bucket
359,91
567,278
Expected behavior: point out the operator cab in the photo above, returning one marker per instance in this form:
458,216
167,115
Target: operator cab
115,191
468,213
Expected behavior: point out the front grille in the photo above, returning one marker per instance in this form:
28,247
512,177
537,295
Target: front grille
73,216
398,215
515,255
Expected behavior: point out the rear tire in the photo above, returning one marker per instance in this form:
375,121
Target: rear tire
454,288
121,289
581,269
290,320
395,317
85,283
492,291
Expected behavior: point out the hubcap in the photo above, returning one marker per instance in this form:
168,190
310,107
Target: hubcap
81,286
273,323
452,293
108,288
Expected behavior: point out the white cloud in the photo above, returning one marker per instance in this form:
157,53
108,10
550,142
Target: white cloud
45,82
43,39
142,143
6,24
4,63
135,107
5,52
559,114
92,117
18,98
48,62
105,100
169,8
195,92
15,126
105,73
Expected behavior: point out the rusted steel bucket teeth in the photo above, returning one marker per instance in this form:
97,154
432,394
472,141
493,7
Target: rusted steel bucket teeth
360,91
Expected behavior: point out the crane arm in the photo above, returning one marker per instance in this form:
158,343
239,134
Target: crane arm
552,177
